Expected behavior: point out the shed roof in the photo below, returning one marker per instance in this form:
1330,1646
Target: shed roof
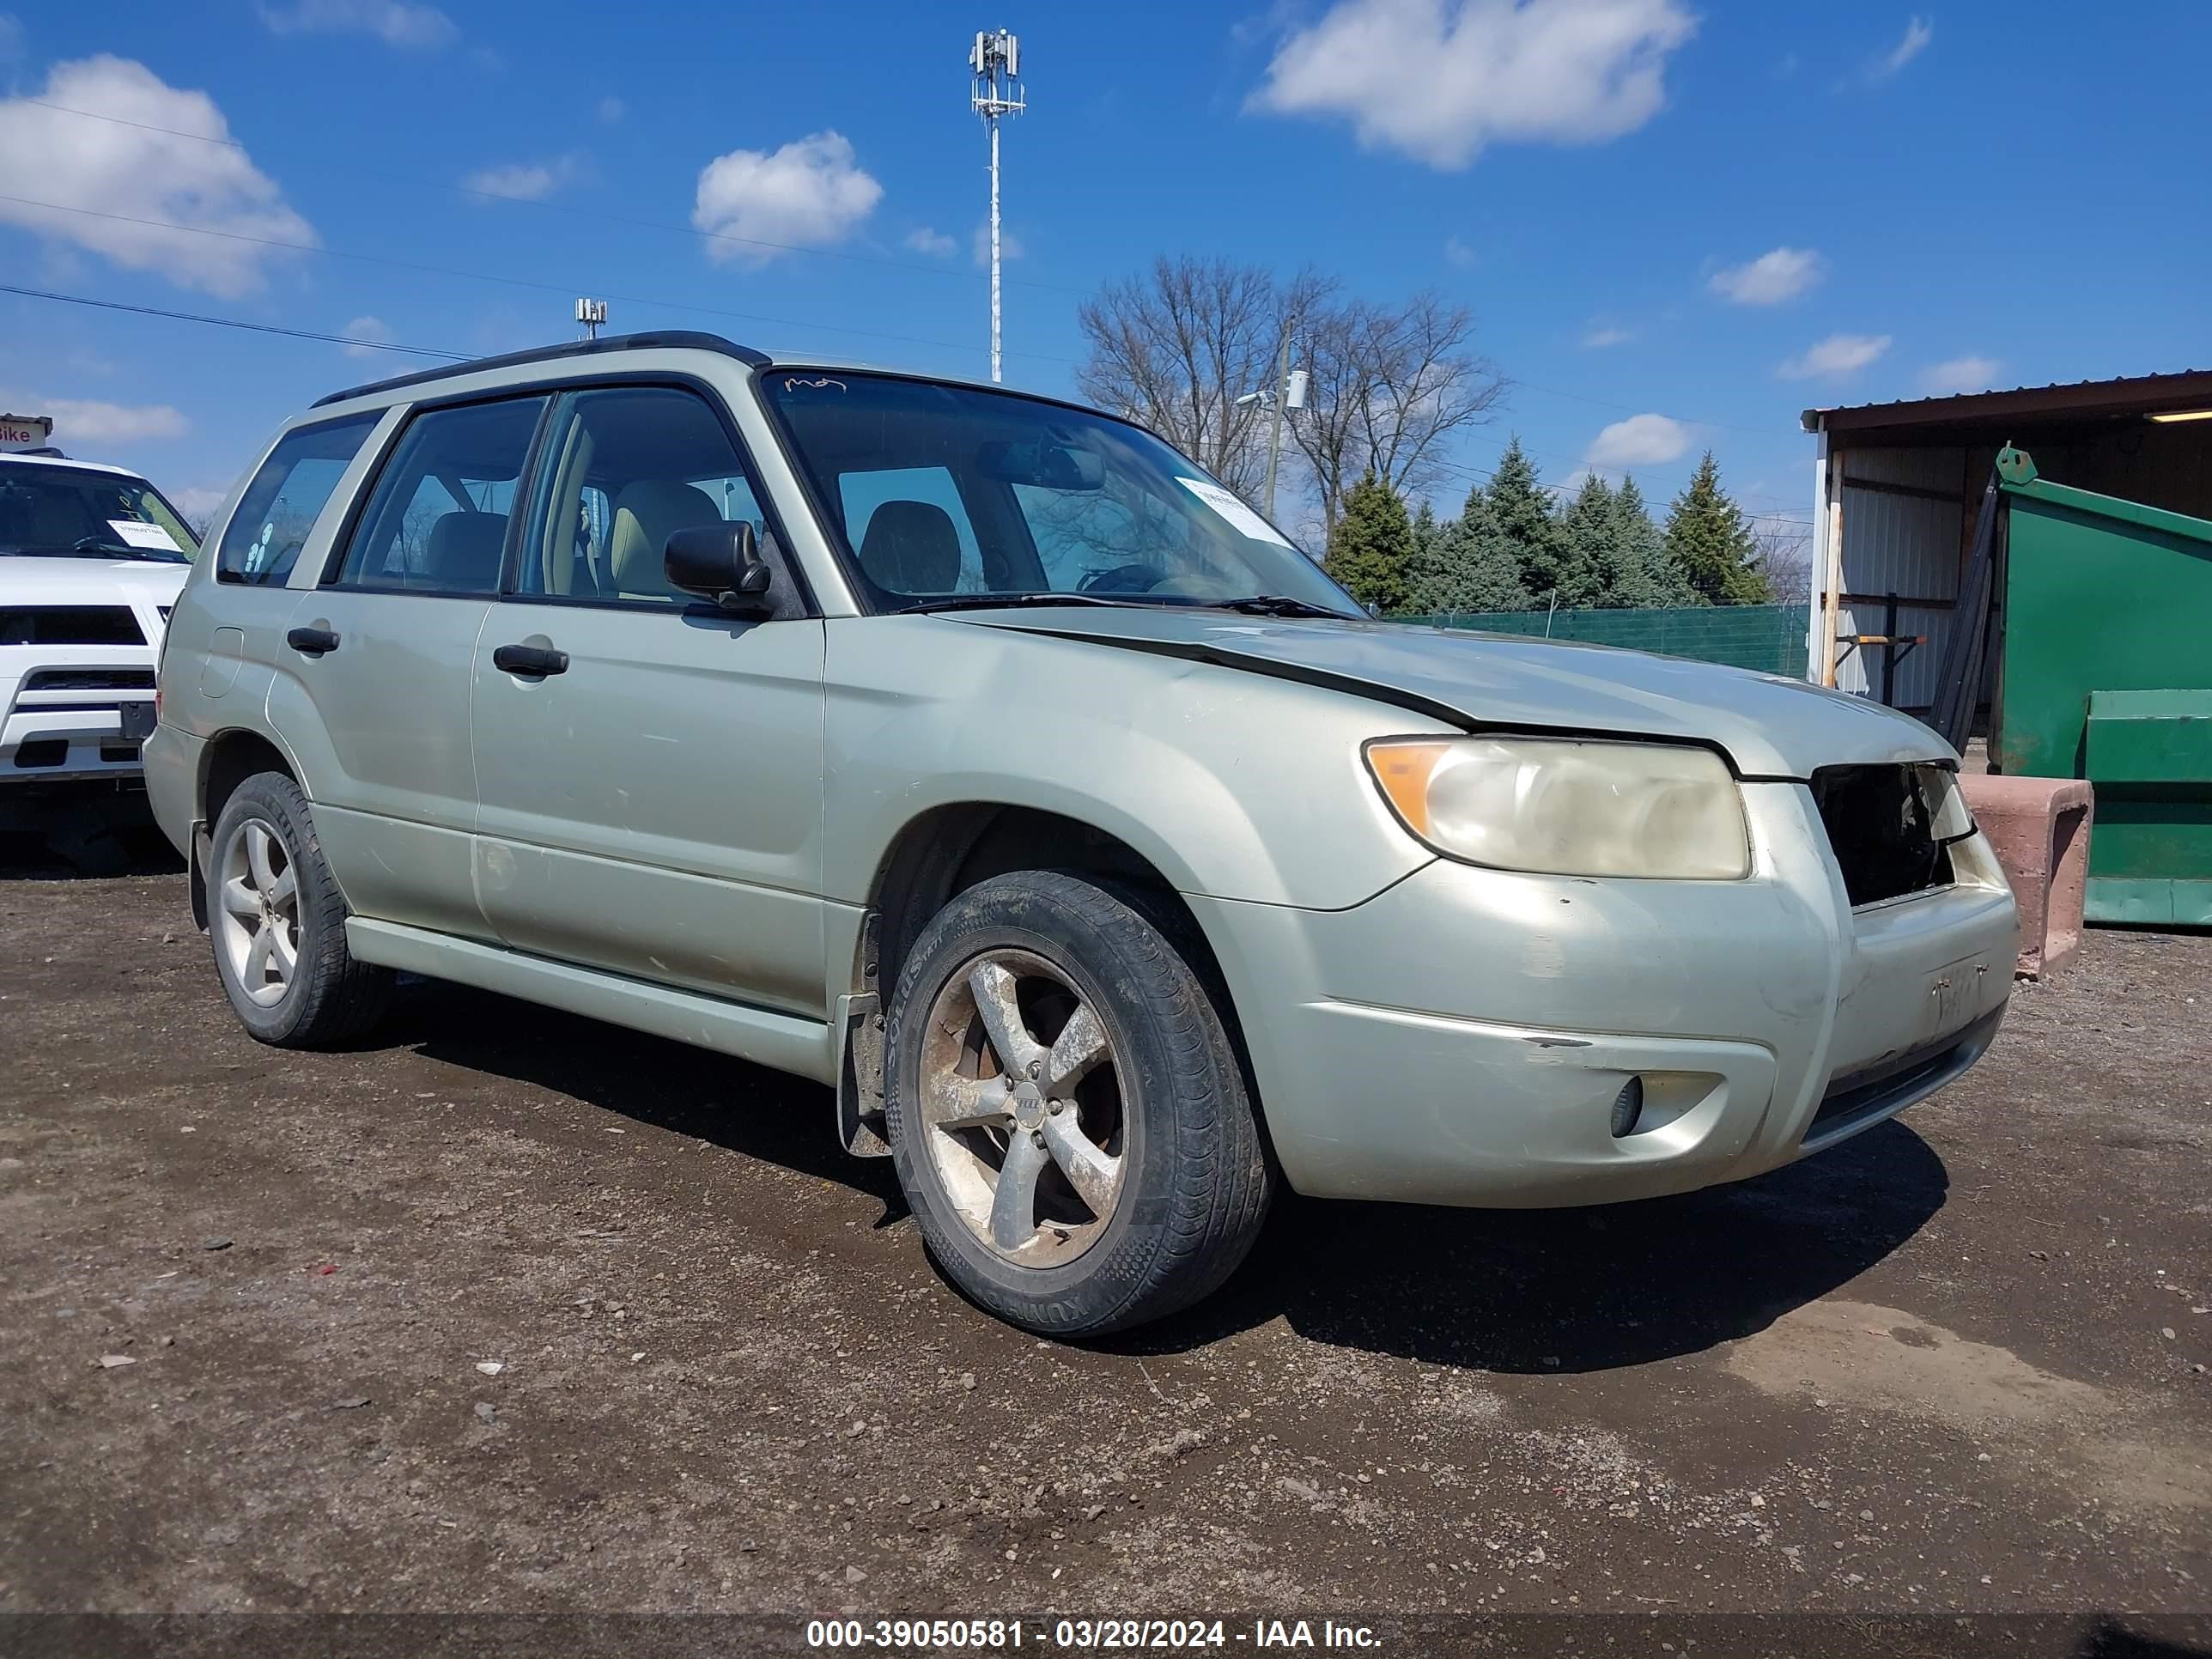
1975,415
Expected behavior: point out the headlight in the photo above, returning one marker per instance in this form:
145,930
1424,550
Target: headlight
1559,806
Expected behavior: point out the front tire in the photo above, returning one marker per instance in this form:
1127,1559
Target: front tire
1066,1111
277,923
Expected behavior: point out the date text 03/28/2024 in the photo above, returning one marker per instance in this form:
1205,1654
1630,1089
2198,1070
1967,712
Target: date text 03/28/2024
988,1635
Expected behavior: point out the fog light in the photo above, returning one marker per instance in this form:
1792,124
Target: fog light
1627,1106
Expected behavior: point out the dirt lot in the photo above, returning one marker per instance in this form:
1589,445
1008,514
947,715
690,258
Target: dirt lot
1959,1363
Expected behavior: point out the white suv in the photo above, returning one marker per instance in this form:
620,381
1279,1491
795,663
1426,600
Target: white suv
91,559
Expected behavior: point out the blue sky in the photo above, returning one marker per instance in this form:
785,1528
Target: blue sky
1681,222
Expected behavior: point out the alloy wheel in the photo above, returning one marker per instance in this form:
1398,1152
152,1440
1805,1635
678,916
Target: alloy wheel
1022,1106
257,911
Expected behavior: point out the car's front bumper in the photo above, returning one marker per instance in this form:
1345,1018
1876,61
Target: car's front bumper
1461,1037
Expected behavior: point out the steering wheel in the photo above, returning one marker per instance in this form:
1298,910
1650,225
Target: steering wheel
1122,579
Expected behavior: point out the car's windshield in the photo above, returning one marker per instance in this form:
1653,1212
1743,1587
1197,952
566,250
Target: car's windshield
946,494
64,512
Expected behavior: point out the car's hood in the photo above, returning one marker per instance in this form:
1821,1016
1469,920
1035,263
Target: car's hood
71,580
1769,726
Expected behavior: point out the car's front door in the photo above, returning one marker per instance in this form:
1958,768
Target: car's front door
648,768
373,695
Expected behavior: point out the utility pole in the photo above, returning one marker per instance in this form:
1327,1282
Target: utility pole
995,90
1290,392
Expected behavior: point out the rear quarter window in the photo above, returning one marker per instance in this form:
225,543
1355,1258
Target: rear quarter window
262,541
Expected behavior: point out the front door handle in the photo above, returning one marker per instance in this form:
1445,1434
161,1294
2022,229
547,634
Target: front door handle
530,659
311,641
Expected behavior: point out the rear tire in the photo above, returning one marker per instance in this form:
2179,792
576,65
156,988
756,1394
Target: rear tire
1107,1169
278,924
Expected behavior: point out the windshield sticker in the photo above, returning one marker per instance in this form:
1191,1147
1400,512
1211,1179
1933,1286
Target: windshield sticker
135,533
1241,519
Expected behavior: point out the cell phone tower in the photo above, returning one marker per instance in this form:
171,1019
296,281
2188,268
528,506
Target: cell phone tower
995,90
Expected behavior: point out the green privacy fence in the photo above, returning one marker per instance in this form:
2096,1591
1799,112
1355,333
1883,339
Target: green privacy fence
1767,637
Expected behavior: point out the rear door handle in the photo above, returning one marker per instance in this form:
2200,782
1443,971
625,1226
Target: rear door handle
311,641
530,659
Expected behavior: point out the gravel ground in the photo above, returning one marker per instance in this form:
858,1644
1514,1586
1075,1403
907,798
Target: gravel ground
509,1311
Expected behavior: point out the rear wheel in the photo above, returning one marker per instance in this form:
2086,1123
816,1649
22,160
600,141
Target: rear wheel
278,923
1066,1112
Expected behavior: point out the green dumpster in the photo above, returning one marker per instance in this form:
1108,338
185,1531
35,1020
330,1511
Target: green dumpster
2107,676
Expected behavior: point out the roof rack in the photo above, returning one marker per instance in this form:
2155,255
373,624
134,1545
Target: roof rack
686,339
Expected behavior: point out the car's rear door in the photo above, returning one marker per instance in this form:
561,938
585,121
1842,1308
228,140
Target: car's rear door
373,688
648,768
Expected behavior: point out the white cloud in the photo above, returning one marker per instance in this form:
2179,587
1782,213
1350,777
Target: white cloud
1917,33
85,419
1602,335
1009,245
935,243
1960,375
610,110
1782,273
370,332
1441,79
809,192
395,22
197,503
134,173
1838,354
1639,441
526,181
1458,253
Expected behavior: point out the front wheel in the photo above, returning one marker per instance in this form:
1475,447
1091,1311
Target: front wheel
278,923
1066,1111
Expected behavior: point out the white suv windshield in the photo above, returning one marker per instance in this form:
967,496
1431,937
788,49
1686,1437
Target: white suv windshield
64,511
949,495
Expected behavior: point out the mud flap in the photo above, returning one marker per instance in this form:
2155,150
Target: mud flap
860,1076
200,851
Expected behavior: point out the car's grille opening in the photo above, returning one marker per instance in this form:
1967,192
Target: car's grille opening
89,679
1882,829
70,624
118,754
42,751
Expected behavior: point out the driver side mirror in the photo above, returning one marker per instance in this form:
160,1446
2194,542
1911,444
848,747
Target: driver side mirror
720,562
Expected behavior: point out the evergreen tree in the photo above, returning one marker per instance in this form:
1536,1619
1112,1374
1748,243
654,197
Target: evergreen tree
1647,575
1371,546
1709,542
1460,566
1591,525
1525,533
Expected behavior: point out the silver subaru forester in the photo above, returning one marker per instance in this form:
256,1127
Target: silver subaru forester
978,756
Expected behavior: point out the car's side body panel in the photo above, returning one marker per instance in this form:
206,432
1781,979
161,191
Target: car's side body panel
656,809
1228,784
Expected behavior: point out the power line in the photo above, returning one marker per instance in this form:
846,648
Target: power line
578,212
235,322
568,289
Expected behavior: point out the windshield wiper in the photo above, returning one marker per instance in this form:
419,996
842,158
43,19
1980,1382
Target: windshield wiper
92,547
1276,604
995,601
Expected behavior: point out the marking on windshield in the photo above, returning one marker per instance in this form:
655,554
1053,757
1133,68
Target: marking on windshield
792,383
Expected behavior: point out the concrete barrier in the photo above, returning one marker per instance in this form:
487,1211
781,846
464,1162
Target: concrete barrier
2039,827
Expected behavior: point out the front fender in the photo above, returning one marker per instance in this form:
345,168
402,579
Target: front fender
1234,785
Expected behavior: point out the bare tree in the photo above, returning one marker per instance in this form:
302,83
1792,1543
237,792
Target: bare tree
1390,384
1178,347
1784,555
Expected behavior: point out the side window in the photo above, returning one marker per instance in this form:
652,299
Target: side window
626,467
263,540
436,522
911,531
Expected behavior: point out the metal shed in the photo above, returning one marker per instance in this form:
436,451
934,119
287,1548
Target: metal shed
1897,487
